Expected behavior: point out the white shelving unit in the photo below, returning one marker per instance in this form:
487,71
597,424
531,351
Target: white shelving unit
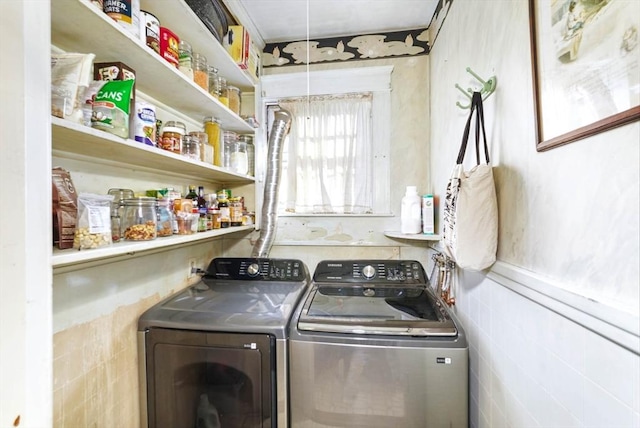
79,26
63,258
411,237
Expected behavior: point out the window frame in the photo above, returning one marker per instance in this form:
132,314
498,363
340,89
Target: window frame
377,81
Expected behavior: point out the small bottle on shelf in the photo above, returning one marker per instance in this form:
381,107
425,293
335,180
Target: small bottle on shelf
192,194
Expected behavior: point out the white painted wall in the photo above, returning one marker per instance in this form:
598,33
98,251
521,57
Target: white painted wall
25,221
553,327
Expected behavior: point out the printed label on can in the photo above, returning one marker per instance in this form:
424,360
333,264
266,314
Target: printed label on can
150,30
125,12
169,44
144,123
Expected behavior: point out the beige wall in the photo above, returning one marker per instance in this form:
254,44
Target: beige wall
95,311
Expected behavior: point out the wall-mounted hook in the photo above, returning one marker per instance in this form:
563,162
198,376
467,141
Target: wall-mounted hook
488,87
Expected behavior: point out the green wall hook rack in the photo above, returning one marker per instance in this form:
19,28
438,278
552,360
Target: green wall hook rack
488,87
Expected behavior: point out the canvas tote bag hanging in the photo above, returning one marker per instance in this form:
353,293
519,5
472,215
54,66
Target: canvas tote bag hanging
471,209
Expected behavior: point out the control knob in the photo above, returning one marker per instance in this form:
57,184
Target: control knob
253,269
368,271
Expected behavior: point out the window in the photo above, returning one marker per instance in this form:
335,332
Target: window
336,157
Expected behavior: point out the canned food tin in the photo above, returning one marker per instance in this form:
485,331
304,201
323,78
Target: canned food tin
144,123
125,12
150,30
169,46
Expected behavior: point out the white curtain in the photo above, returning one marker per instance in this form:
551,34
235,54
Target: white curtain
327,158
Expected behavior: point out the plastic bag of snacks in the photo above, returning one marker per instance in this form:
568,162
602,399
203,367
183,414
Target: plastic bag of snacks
111,107
70,77
64,207
93,228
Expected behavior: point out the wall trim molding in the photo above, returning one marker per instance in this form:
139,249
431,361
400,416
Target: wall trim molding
613,324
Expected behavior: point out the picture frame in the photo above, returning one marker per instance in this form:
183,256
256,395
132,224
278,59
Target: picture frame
585,59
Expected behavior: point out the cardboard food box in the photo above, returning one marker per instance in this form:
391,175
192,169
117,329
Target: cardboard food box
237,43
110,71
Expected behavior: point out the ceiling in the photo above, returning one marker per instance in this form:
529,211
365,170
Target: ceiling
289,20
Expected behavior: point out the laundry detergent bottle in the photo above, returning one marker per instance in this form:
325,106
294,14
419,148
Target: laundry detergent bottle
410,212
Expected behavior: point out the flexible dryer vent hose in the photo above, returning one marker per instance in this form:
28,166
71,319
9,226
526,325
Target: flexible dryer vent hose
279,130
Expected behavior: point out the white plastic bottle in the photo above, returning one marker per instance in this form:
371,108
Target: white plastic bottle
410,211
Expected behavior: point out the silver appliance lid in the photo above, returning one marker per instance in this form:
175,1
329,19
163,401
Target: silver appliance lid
396,299
232,297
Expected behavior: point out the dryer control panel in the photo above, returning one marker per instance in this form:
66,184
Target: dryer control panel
258,269
376,271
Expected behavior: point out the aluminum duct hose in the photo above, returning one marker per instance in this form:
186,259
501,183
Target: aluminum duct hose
279,130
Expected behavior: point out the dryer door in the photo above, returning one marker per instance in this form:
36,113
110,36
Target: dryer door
209,379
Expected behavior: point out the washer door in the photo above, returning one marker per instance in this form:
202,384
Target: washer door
209,379
386,310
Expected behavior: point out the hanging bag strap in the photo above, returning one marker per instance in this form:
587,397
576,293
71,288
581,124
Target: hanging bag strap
480,124
476,107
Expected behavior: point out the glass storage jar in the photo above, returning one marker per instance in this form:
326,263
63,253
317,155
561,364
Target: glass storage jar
222,86
139,222
233,95
251,154
191,147
172,134
201,71
206,150
214,89
212,129
185,59
229,141
238,157
164,218
116,211
235,211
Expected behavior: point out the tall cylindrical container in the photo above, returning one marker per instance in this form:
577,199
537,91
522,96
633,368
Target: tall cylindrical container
410,211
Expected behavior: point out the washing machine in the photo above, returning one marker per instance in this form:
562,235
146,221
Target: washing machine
216,354
371,345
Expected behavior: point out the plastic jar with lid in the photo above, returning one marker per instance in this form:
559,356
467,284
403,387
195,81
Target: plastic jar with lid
222,86
233,94
251,154
185,59
139,222
172,134
201,71
214,89
212,129
191,147
165,218
229,141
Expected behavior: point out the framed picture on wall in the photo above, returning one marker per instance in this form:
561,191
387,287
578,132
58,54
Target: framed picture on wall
586,67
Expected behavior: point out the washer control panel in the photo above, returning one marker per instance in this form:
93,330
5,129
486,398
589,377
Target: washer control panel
257,269
377,271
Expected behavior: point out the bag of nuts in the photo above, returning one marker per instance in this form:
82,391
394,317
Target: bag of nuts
93,228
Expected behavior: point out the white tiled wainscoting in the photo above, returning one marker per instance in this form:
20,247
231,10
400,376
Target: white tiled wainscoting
540,357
